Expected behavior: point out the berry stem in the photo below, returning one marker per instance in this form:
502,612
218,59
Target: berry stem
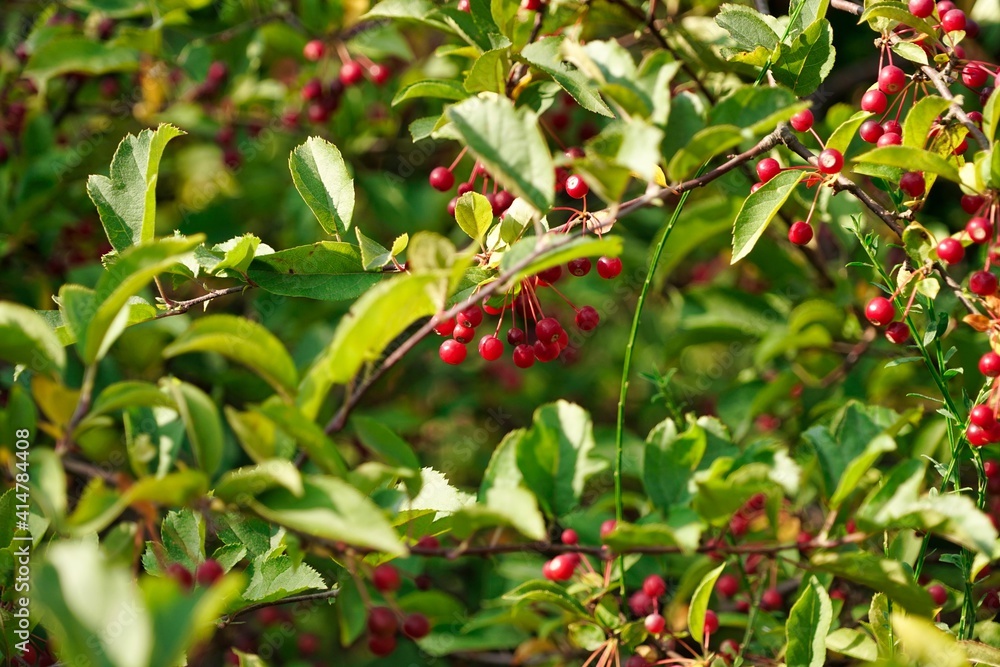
458,158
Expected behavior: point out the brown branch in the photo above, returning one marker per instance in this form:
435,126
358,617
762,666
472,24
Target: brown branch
847,6
306,597
181,307
956,109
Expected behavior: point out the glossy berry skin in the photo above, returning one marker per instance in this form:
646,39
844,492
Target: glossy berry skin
607,526
982,415
531,5
921,8
452,352
209,572
991,469
974,76
640,604
893,127
912,183
727,586
382,646
382,622
983,283
950,251
386,578
490,348
416,626
952,20
977,435
636,661
755,187
181,575
550,275
587,318
609,267
547,329
871,131
989,364
874,101
441,179
891,79
569,536
655,624
351,73
471,317
546,352
579,267
800,233
576,187
524,356
897,333
711,622
559,568
802,121
830,161
889,139
979,229
880,311
515,336
654,586
463,334
313,50
379,74
445,328
772,600
767,169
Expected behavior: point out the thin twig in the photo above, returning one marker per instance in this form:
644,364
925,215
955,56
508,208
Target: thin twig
956,109
306,597
181,307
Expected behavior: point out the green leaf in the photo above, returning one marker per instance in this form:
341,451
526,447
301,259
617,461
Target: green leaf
444,89
584,246
556,456
48,481
757,109
510,145
895,11
510,506
136,267
669,461
699,603
807,63
925,643
857,468
126,202
322,179
911,52
991,116
759,209
919,119
683,529
880,574
328,271
550,593
808,625
911,159
183,538
384,443
237,253
747,27
254,480
245,342
67,54
703,146
840,139
545,55
852,643
804,16
202,422
275,577
306,433
374,321
634,145
332,509
474,215
489,72
26,339
122,395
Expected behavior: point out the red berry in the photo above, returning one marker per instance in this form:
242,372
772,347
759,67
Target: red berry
546,352
738,525
892,127
209,572
772,600
974,76
979,229
654,586
464,6
386,578
711,622
982,415
729,649
442,179
755,187
983,283
972,203
727,585
382,622
609,267
989,364
655,624
550,275
515,336
607,527
269,616
889,139
830,161
950,250
961,148
871,131
767,169
531,5
880,311
991,469
445,328
897,333
470,317
912,183
547,329
490,348
874,101
559,568
314,50
802,121
416,626
502,201
217,72
938,594
636,661
640,604
891,79
351,73
952,20
587,318
971,28
977,435
379,73
921,8
576,187
800,233
452,352
181,575
308,643
579,267
463,334
944,6
382,645
569,536
524,356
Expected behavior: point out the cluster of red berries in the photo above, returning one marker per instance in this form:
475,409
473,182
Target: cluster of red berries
324,100
530,5
206,574
384,622
881,312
